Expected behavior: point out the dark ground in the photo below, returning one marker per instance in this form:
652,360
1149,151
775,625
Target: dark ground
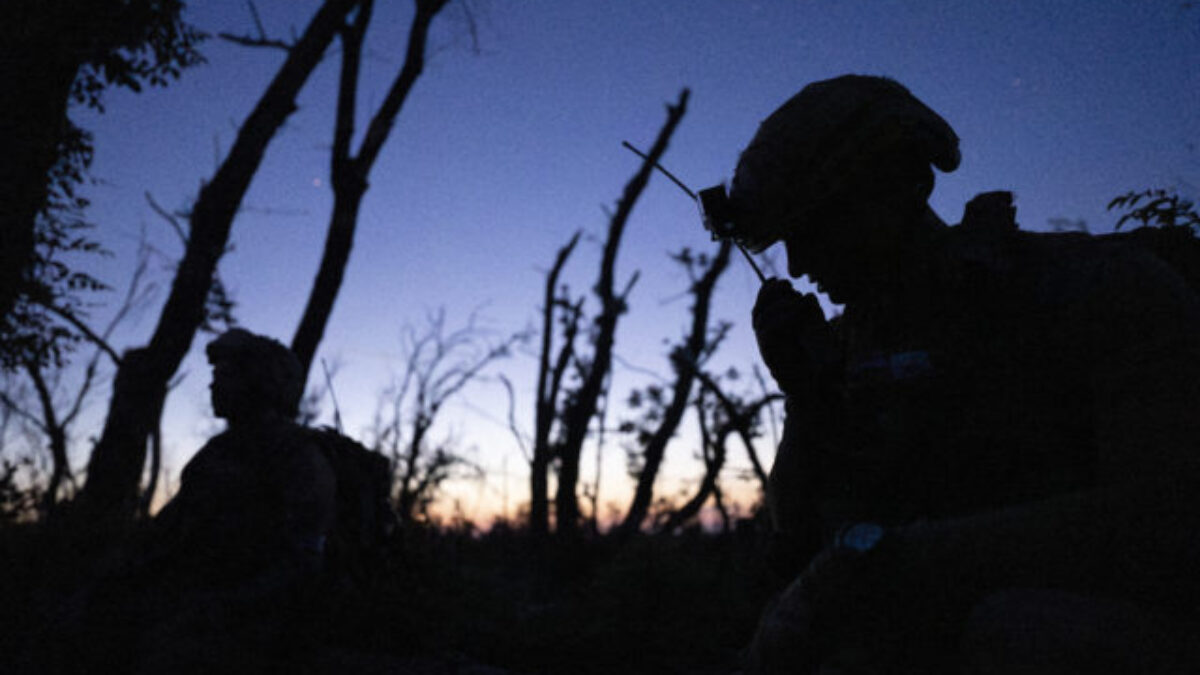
450,602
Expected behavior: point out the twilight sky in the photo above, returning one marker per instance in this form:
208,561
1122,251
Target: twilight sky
500,155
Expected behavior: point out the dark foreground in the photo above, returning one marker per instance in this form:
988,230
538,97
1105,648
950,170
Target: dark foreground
449,602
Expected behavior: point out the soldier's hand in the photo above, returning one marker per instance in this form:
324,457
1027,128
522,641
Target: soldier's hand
793,337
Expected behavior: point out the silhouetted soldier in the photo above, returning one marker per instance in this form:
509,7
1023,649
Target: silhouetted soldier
256,503
246,533
994,448
237,553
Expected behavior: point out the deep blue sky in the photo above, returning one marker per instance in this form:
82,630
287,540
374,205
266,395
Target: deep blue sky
500,155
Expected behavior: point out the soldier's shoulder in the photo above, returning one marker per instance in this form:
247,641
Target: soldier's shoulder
324,441
213,450
306,449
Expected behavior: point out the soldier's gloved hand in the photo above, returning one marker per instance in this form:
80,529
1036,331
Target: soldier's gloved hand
793,338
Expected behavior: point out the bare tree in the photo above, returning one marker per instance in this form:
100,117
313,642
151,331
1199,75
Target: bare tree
140,385
349,173
55,54
438,365
686,359
48,413
719,416
744,419
579,407
558,304
713,452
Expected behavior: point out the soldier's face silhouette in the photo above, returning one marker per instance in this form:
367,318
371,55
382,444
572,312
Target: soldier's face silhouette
852,245
833,252
231,393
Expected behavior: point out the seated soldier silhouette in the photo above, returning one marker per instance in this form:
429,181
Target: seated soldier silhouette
234,559
256,503
991,460
245,535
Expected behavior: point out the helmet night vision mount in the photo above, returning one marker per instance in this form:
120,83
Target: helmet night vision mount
716,211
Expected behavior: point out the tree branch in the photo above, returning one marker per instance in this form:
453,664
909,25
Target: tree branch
522,445
713,463
349,174
258,42
352,41
414,63
21,412
171,219
743,418
578,416
131,299
82,327
687,359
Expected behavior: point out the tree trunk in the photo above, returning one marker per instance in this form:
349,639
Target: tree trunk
739,419
548,383
329,276
714,453
141,383
147,500
409,485
349,174
539,494
56,433
577,418
685,364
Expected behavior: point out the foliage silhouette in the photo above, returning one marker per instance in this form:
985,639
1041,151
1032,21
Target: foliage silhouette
54,54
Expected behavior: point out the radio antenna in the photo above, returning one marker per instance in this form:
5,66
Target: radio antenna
668,174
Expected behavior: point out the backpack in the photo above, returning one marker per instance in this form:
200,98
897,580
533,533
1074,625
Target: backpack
1178,245
357,548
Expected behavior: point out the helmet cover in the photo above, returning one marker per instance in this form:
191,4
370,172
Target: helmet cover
817,143
271,368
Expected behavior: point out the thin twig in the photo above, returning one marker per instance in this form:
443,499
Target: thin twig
337,412
131,298
262,34
21,412
171,218
512,419
247,41
743,416
83,328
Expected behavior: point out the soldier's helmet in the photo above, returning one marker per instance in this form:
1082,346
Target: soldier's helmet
272,370
820,142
